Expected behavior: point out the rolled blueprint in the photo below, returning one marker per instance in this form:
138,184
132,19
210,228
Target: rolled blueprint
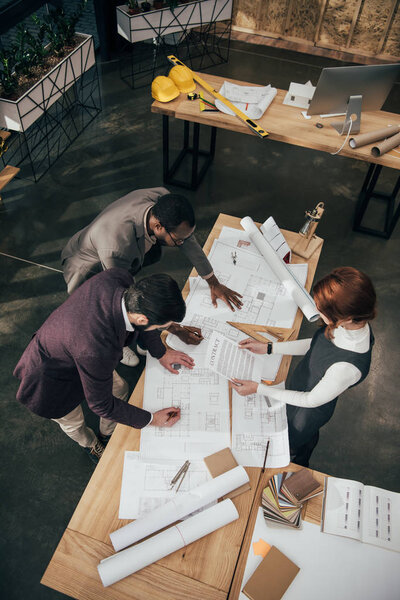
386,145
299,294
178,508
124,563
373,136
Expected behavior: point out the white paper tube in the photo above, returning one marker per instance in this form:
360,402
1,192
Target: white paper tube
178,508
124,563
299,294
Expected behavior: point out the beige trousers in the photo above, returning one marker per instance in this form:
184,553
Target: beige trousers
73,424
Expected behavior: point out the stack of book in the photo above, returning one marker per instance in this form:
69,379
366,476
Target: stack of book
283,498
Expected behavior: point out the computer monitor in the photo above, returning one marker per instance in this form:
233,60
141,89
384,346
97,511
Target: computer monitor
348,90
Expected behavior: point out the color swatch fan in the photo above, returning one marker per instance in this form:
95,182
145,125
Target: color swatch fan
299,487
277,508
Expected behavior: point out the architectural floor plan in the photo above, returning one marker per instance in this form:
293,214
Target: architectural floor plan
203,395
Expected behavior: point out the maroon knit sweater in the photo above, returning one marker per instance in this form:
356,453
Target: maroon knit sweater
73,355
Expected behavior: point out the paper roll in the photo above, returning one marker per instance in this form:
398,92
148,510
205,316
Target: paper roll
387,145
373,136
131,560
178,508
299,294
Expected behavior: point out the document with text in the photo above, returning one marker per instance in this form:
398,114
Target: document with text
227,359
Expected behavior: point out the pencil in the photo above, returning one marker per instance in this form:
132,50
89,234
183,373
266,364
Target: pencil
207,102
265,457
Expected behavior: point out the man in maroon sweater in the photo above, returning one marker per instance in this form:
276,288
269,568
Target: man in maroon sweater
74,354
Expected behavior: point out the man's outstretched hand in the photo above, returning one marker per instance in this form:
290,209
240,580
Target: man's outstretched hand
173,357
166,417
218,290
186,333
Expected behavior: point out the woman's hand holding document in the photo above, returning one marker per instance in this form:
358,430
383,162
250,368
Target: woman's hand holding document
228,359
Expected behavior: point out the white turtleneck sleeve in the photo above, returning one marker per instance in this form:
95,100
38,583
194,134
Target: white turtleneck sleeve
337,378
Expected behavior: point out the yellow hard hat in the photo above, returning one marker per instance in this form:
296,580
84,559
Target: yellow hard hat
164,89
182,77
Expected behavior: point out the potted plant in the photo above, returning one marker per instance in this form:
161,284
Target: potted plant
158,4
133,7
33,75
145,6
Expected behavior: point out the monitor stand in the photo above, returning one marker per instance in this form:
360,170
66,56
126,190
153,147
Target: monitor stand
353,111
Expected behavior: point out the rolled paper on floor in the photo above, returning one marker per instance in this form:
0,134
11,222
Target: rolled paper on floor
387,145
120,565
373,136
299,294
178,508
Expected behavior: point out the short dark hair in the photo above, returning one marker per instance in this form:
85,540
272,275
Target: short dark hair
172,210
158,297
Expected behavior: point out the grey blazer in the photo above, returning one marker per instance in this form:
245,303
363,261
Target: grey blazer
116,239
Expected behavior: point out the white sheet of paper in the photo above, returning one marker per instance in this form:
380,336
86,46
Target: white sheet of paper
202,394
284,273
179,507
254,422
331,567
146,484
227,359
204,426
253,101
265,300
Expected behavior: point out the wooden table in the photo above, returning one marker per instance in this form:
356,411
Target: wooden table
284,124
209,569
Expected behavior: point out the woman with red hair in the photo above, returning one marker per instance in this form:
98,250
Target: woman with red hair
335,359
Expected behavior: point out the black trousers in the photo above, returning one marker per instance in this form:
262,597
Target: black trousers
304,425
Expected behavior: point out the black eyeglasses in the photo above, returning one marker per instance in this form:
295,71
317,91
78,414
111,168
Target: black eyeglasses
176,241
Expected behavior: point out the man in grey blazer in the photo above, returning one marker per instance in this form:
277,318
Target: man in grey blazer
129,234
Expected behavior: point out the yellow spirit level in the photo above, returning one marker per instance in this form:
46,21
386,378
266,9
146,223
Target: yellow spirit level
253,126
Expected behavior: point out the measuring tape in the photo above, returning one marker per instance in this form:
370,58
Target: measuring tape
253,126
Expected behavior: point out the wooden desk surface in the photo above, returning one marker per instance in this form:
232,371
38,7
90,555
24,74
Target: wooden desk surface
285,124
209,569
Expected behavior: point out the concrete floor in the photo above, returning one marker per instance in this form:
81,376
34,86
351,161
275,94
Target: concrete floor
44,473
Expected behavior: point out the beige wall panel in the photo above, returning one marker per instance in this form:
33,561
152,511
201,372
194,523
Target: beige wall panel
392,46
337,22
304,19
245,13
371,24
273,15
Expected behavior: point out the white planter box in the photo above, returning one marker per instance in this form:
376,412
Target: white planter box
18,115
144,26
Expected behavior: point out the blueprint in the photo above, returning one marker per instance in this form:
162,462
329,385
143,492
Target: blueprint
203,395
203,398
146,484
255,420
265,300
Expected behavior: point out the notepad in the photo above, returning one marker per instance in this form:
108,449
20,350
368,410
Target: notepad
272,577
219,463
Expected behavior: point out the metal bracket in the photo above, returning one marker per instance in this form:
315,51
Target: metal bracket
352,121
